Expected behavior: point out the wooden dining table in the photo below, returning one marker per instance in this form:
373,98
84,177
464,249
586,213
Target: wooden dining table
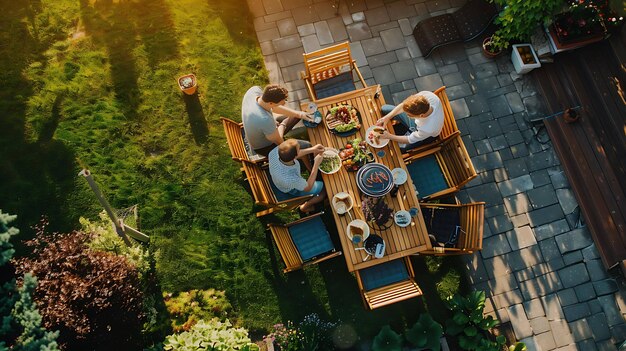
400,242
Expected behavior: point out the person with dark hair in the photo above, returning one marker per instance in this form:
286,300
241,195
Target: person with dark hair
263,131
285,172
420,118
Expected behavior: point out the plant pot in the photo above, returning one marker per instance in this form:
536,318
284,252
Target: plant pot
188,84
487,50
524,58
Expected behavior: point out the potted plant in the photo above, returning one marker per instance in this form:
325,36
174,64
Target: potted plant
493,46
524,58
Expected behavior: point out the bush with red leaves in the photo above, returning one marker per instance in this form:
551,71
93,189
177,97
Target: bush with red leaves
93,298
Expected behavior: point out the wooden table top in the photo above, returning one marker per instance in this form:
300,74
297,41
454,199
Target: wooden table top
399,241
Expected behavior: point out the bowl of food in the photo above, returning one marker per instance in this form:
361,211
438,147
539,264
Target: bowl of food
342,202
355,155
372,136
331,163
358,231
343,120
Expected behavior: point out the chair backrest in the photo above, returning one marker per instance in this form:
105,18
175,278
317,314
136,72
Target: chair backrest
239,150
471,222
455,162
449,123
387,283
263,190
303,242
329,63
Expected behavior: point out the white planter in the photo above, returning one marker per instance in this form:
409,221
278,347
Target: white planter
521,53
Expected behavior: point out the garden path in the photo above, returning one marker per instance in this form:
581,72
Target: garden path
538,266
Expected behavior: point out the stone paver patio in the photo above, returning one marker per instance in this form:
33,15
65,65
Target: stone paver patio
538,265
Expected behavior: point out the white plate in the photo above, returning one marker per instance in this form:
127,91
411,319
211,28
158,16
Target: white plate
328,151
399,176
371,142
402,218
347,199
361,224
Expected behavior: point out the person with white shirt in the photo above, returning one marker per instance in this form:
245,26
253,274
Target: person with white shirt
420,118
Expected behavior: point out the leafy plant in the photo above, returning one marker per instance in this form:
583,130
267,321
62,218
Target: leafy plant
212,335
93,298
316,334
425,333
387,340
469,324
519,346
518,20
187,308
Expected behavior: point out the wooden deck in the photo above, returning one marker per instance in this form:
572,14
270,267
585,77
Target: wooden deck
592,151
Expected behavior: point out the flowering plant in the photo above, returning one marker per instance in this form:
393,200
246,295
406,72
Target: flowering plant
586,18
311,334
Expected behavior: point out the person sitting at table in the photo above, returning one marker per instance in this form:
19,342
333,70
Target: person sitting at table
263,132
420,118
285,172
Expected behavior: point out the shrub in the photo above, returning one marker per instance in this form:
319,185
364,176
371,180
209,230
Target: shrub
425,333
311,334
189,307
518,20
93,298
387,340
212,335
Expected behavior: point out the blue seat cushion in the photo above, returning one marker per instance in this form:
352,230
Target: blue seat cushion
280,196
384,274
333,86
311,238
444,224
427,176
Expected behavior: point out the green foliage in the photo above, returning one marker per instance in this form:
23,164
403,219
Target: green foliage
212,335
312,334
519,346
519,19
387,340
449,284
425,333
186,308
469,324
6,232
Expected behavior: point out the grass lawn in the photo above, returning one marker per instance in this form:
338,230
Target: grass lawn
92,84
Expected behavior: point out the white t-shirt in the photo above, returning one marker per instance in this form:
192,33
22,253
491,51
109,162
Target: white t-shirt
285,177
430,126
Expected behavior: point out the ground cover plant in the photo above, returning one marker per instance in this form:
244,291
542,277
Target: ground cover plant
93,84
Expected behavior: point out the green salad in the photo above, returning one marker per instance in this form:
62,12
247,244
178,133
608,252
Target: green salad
345,127
330,163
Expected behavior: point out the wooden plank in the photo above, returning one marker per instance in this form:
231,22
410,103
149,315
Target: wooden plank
400,242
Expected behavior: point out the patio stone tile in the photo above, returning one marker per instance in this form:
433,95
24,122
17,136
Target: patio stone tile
507,299
408,84
260,24
272,6
596,270
553,308
383,75
292,4
358,55
516,167
574,240
524,274
599,326
287,43
580,329
256,8
393,39
585,292
534,309
499,224
411,45
404,54
459,108
290,57
486,69
358,17
326,10
477,104
429,82
311,43
545,215
497,266
515,102
594,306
521,325
542,196
268,34
356,6
558,179
517,204
323,33
513,137
395,88
459,91
292,73
337,29
498,143
405,25
437,5
589,253
374,3
505,79
400,9
377,16
576,312
561,333
287,27
540,324
496,210
483,146
551,229
605,287
519,220
476,268
487,162
611,310
502,284
358,31
567,297
273,69
478,58
574,275
499,106
495,245
448,69
424,67
619,332
451,54
534,107
305,14
500,91
540,178
545,341
549,249
516,185
484,85
404,70
267,48
587,345
491,127
520,238
306,29
451,79
382,59
376,30
566,200
401,96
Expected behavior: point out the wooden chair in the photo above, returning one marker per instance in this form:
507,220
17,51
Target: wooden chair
449,125
328,71
458,227
303,242
387,283
265,193
239,148
441,170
